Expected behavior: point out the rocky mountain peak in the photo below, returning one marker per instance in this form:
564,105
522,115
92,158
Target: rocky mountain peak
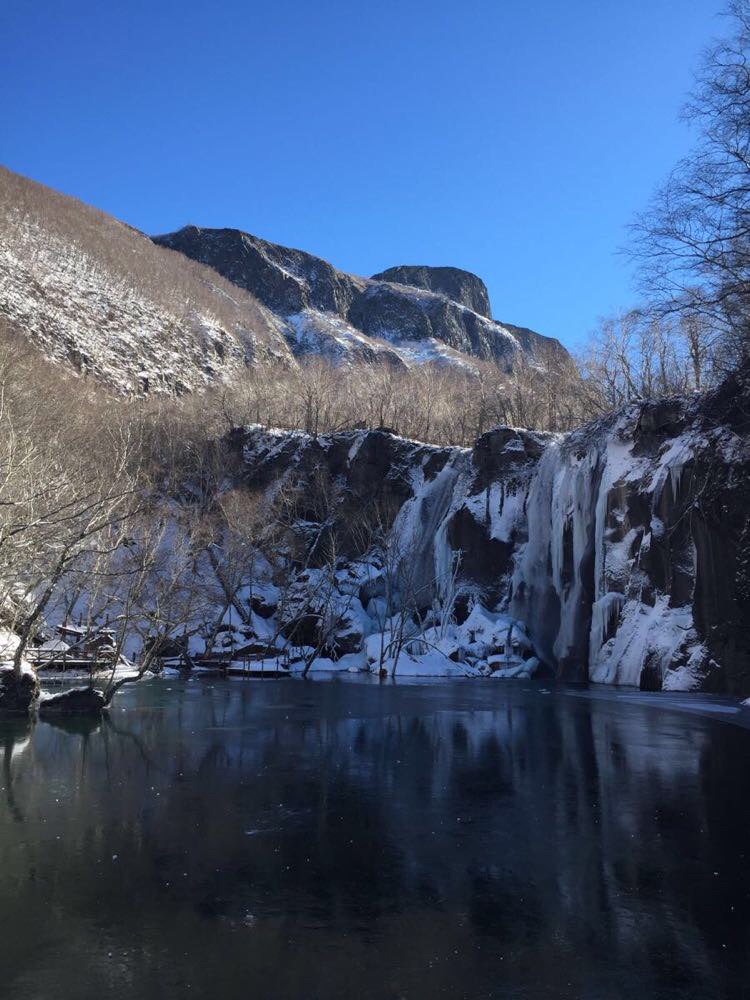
454,283
284,279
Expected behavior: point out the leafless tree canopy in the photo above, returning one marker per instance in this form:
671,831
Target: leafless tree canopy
693,242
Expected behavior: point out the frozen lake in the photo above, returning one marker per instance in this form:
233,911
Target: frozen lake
342,839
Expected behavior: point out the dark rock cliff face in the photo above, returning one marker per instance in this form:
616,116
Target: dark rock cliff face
459,286
446,305
285,280
624,547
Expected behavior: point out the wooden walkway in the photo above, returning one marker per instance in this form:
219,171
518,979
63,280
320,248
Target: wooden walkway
79,662
240,666
44,659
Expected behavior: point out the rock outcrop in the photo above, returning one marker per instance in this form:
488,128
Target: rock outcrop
404,314
452,282
623,548
75,701
17,690
285,280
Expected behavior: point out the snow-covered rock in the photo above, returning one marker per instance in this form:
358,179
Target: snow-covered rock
633,570
619,553
75,701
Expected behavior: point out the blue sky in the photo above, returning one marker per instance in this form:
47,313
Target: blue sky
515,139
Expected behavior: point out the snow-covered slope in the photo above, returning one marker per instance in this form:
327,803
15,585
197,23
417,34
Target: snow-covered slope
407,314
101,298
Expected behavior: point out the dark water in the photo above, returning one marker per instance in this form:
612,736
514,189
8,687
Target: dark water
337,840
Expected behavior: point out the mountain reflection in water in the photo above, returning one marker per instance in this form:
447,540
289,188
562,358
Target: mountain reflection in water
291,839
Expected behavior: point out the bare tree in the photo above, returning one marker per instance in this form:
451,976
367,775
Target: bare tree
63,488
161,599
693,242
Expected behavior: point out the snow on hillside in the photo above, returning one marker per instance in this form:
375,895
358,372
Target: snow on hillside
400,334
98,296
312,332
403,314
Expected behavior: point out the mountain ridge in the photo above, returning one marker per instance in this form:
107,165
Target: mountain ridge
184,311
429,319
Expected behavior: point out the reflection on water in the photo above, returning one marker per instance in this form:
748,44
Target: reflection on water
324,840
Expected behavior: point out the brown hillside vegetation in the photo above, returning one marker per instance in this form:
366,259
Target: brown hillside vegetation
100,296
101,299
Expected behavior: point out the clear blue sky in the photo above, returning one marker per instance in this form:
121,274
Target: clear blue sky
515,138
